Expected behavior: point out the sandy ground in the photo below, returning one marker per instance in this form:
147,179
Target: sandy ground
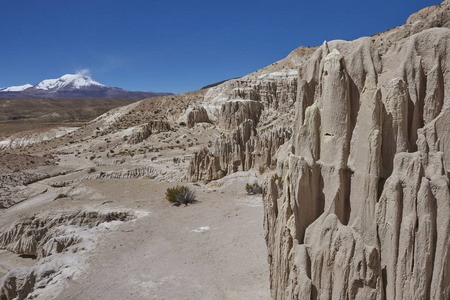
213,249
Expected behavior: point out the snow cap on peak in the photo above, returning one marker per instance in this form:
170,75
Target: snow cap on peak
16,88
69,80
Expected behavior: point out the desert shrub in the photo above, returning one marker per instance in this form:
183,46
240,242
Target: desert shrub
253,189
182,123
180,195
261,170
61,196
91,170
278,179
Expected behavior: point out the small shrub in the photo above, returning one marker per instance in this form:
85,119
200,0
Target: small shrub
61,196
261,170
180,195
253,189
278,179
182,123
91,170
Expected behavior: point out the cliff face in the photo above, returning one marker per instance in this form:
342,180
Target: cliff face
362,209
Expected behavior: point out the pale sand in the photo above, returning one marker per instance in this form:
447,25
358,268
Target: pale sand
213,249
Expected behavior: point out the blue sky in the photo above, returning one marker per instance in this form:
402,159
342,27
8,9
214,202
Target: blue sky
175,46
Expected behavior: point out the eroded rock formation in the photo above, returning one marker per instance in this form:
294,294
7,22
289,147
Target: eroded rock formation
152,127
362,210
234,113
241,150
45,236
197,114
238,106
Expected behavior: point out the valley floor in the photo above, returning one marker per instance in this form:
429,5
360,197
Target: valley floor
213,249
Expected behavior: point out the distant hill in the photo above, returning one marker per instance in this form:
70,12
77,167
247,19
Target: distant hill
72,86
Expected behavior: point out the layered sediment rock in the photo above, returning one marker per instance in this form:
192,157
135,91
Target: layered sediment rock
152,172
152,127
363,211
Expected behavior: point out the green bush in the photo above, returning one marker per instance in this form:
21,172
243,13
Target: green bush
180,195
253,189
182,123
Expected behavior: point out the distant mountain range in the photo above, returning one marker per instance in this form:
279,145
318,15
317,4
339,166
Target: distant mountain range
72,86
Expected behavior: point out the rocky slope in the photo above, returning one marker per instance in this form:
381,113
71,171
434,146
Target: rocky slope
362,209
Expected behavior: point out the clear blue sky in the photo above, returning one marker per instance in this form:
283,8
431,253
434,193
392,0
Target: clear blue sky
175,46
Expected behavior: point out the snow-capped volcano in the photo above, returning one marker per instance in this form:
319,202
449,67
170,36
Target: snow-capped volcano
17,88
72,86
76,81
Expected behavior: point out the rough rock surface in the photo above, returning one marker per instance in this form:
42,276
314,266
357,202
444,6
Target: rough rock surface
197,114
44,237
152,127
234,113
362,209
241,150
140,172
11,185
